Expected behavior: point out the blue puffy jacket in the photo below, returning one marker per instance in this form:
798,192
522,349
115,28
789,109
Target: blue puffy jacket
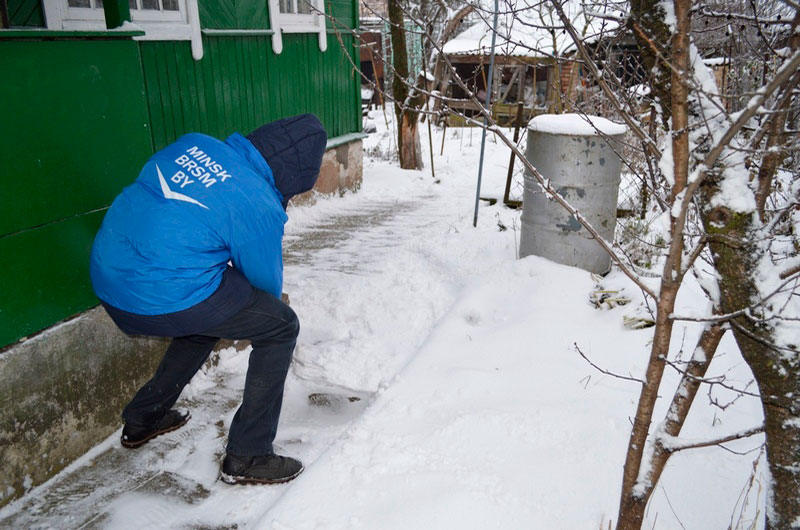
197,204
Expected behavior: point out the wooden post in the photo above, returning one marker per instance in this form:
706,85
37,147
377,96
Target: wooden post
444,134
117,13
517,124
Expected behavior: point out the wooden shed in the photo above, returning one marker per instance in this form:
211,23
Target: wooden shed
534,59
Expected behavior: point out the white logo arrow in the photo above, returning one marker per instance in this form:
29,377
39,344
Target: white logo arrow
169,194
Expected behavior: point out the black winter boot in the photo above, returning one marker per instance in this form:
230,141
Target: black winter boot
134,436
267,469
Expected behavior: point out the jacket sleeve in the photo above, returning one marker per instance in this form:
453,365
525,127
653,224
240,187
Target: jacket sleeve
260,260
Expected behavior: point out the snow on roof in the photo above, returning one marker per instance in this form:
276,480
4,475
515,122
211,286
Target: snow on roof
575,125
532,28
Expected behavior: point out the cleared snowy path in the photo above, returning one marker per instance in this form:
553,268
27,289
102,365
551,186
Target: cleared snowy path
172,481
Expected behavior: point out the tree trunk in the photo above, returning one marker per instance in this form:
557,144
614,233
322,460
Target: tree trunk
634,496
406,109
738,249
776,370
632,502
411,155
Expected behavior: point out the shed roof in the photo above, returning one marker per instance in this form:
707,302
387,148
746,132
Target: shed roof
532,28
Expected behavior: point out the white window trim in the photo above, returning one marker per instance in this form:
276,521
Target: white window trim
157,25
297,23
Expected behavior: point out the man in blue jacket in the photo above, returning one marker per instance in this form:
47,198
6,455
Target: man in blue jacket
192,250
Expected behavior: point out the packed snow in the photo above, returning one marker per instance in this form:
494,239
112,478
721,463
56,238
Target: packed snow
455,394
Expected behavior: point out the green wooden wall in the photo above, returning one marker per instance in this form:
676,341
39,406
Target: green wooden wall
74,132
80,118
240,85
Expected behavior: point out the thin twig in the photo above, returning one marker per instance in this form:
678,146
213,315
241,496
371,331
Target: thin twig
604,371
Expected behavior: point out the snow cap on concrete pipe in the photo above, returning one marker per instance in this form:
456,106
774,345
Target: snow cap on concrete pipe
575,125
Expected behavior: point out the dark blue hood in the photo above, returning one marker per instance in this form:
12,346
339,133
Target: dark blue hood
293,148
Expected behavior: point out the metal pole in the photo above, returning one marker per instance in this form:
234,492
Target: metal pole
485,119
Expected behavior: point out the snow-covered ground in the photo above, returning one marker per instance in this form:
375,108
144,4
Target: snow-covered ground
471,406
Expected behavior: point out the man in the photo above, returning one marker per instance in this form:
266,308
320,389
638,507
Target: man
192,250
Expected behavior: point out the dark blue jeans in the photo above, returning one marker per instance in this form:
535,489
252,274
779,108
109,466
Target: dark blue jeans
269,324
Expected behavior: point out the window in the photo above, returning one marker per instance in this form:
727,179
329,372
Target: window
301,7
297,16
159,19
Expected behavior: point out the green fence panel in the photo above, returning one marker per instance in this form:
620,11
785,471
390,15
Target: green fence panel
46,275
74,128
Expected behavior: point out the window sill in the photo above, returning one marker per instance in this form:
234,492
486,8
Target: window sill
49,34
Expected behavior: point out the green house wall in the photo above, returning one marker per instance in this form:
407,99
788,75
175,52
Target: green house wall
82,114
68,146
240,85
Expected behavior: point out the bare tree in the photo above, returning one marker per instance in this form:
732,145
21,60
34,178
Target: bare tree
407,98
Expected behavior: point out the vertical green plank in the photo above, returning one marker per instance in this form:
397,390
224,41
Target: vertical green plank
270,92
281,78
176,90
257,80
243,101
187,89
224,69
210,88
152,83
165,94
330,111
313,56
335,65
196,77
216,73
356,122
232,62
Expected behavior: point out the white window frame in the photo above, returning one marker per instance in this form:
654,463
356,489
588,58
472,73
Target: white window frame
183,24
297,23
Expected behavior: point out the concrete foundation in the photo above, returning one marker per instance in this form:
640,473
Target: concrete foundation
341,171
62,391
